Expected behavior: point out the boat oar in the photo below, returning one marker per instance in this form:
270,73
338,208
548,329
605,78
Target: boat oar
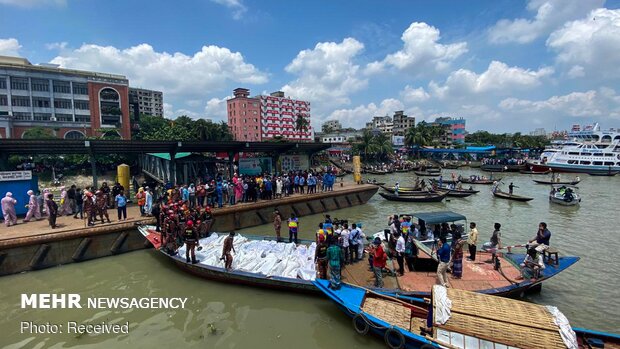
408,305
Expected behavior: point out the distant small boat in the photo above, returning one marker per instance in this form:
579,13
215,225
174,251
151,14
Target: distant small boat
565,199
603,174
377,183
502,195
503,168
380,173
427,174
480,181
574,182
535,172
429,197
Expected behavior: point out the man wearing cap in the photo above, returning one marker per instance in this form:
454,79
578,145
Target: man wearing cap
33,207
191,239
378,261
8,209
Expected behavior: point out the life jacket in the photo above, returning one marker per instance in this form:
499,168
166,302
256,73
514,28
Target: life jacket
319,232
189,233
292,223
405,227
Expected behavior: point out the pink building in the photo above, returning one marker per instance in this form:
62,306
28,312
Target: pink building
265,117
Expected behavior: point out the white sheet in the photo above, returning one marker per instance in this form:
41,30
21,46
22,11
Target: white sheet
263,257
566,331
442,305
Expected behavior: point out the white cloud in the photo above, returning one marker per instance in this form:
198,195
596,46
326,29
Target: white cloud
592,43
33,3
550,14
216,109
9,47
56,46
211,69
327,74
421,51
413,95
576,71
604,103
498,78
357,117
237,6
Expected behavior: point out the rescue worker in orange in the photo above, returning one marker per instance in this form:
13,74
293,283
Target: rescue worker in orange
320,257
191,240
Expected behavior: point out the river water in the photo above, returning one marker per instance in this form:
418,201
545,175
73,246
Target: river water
219,315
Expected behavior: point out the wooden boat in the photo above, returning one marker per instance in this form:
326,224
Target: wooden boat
480,181
379,173
427,174
445,181
401,189
503,168
609,174
477,277
460,319
460,193
402,170
377,183
535,172
502,195
574,182
427,197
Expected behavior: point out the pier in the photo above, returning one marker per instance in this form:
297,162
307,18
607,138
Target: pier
34,245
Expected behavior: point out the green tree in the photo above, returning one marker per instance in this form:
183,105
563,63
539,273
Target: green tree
38,132
383,145
301,123
326,129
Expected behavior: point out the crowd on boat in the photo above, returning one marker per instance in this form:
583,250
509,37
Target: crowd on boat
503,161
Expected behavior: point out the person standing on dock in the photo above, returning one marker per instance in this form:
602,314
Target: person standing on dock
101,205
8,209
320,257
277,224
64,203
141,198
472,240
400,253
121,205
228,246
148,205
52,210
293,225
33,208
379,258
335,256
443,256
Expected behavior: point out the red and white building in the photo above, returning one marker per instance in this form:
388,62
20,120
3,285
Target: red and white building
262,118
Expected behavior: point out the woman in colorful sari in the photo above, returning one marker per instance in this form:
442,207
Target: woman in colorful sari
457,260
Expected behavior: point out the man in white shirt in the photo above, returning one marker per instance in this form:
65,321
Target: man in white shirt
532,265
345,234
354,242
400,253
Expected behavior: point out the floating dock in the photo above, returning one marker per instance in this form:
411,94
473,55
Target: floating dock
34,245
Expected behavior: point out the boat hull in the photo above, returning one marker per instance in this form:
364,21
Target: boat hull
415,198
503,168
593,170
538,181
576,201
512,197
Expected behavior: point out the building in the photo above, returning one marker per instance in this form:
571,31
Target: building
148,101
340,137
382,123
401,123
456,128
332,125
262,118
539,132
73,104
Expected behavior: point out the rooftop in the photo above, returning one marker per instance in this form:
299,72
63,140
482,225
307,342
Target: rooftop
22,63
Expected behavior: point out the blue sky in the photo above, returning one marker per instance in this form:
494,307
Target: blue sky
505,66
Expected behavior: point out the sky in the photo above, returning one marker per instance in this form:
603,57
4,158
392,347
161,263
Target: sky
503,65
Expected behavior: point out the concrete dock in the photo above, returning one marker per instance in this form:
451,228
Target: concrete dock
34,245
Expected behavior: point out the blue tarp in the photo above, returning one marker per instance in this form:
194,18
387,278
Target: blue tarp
439,217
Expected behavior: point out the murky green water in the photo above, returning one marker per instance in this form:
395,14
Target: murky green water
249,317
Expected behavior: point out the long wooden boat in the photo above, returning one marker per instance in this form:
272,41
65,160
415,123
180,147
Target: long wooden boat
377,183
604,174
445,181
478,277
427,174
480,181
503,168
379,173
401,189
460,193
502,195
460,319
535,172
428,197
573,182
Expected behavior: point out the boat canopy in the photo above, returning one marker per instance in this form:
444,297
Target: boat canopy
439,217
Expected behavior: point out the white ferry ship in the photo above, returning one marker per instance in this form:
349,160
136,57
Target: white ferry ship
590,150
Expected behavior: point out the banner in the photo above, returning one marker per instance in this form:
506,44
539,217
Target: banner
294,163
15,176
255,166
357,169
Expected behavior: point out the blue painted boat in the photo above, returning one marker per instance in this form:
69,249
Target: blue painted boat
461,319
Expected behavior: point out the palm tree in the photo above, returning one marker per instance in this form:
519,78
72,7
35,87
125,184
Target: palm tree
301,123
419,135
366,146
383,145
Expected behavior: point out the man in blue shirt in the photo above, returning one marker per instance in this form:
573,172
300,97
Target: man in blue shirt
543,236
443,255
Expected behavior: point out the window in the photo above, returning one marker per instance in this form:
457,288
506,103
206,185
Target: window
40,102
584,162
74,135
22,116
80,89
3,83
81,105
19,83
597,163
82,118
42,116
4,100
40,85
62,103
608,163
64,118
586,154
20,101
61,86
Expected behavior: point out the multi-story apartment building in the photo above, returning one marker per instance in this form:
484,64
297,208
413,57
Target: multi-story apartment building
401,123
381,123
455,128
332,125
148,101
262,118
72,104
